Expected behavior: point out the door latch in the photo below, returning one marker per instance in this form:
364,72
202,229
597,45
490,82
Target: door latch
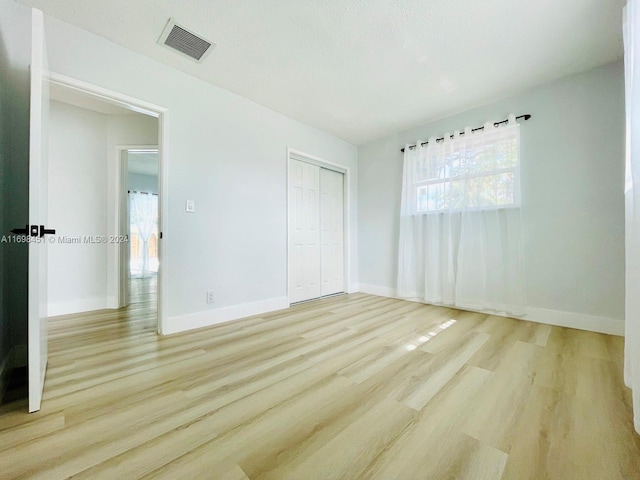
21,231
34,231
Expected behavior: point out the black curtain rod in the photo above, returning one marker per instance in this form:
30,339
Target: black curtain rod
526,117
145,193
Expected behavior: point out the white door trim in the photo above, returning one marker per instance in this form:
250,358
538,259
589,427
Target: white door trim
119,268
301,156
162,114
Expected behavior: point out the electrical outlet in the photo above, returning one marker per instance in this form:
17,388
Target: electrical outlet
211,297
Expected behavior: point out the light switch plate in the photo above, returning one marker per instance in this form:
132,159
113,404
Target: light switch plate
190,206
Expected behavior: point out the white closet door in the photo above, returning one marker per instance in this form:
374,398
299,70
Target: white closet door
332,231
304,231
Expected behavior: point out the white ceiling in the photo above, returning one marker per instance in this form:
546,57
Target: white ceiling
362,69
145,163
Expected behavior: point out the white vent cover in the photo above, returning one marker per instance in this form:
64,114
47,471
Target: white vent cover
185,42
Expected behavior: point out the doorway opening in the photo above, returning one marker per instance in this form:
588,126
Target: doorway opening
141,263
127,210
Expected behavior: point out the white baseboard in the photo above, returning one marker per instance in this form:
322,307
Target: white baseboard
76,306
580,321
377,290
207,318
112,302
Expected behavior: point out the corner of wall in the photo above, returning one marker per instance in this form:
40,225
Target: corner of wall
208,318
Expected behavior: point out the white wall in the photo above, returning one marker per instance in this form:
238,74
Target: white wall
572,154
77,208
132,129
227,154
82,153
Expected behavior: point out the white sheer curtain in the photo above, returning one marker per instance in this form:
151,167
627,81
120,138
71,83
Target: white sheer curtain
460,225
631,30
144,223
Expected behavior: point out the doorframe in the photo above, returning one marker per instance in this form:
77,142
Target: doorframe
162,114
346,204
121,250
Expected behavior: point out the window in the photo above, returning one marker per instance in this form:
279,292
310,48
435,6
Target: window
461,241
469,171
143,227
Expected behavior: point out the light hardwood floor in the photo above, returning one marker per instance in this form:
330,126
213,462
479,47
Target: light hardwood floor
349,387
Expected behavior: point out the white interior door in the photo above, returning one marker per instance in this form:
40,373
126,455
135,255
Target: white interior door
304,231
38,190
331,231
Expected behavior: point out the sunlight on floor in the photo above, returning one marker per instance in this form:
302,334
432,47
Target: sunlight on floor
430,335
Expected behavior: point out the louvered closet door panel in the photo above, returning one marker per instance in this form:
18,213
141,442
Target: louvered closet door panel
332,231
304,231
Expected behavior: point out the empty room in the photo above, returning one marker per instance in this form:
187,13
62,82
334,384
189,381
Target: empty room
394,240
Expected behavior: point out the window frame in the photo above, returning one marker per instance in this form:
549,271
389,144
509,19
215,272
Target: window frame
515,170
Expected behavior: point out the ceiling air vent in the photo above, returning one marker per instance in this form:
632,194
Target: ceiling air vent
185,42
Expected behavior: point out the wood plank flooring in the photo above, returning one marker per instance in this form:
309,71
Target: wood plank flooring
349,387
